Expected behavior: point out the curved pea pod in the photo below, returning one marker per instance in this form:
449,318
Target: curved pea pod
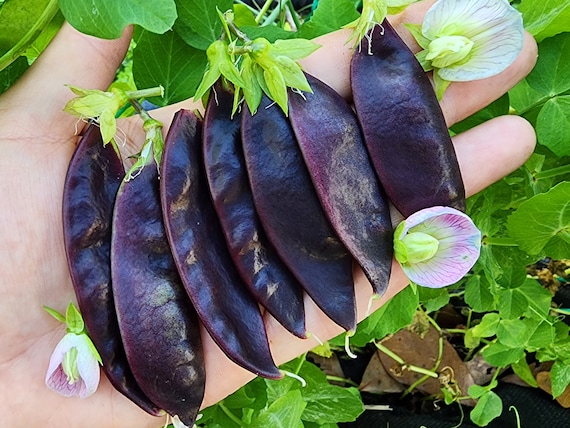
330,139
93,178
159,327
292,216
226,308
267,278
403,125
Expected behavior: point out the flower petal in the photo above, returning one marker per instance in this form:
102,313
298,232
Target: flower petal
495,28
87,364
458,250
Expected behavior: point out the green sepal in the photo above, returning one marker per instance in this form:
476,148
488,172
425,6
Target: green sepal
295,49
74,320
58,316
252,90
440,85
416,30
108,126
93,349
277,87
421,56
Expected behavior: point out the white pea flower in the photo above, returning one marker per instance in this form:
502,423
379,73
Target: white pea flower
468,40
73,369
437,246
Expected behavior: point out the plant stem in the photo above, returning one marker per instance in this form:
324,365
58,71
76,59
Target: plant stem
24,43
405,365
294,15
435,366
157,91
341,379
263,11
499,242
553,172
230,414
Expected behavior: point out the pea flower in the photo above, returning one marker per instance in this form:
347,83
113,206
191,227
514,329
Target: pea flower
73,369
468,40
437,246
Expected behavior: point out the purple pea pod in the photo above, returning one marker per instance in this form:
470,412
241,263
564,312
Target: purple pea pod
292,216
330,139
403,125
93,178
267,278
159,327
227,309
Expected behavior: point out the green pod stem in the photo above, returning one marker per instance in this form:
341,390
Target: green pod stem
352,198
226,308
292,216
159,327
267,278
93,178
403,125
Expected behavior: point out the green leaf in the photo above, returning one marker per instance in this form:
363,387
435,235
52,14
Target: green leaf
252,395
489,407
524,98
522,370
168,61
541,219
270,32
514,332
13,72
553,125
500,355
285,412
478,294
560,378
511,304
497,108
331,404
397,313
542,334
108,18
545,18
17,17
433,298
488,325
198,22
539,298
551,74
329,16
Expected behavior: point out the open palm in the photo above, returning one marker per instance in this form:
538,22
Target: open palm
37,140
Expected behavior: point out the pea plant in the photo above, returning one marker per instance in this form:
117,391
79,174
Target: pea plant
510,318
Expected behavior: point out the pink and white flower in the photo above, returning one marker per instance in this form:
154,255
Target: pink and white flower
437,246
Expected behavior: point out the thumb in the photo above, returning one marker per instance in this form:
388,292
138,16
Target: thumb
71,58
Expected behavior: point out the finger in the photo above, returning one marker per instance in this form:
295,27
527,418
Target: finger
71,58
486,153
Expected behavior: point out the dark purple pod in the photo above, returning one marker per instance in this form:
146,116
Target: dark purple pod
227,309
292,216
268,279
330,139
403,125
159,327
93,178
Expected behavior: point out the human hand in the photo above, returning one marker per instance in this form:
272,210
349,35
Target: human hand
37,140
